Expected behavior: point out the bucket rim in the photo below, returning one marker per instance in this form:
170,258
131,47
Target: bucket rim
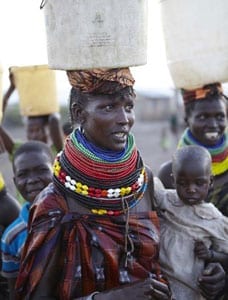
14,69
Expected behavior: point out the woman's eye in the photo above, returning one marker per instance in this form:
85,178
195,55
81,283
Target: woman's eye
108,107
129,107
220,117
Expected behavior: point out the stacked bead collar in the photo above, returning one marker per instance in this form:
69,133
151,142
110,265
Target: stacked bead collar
105,186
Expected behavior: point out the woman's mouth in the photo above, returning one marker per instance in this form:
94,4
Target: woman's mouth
213,136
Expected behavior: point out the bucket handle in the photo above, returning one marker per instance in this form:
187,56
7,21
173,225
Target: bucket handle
42,4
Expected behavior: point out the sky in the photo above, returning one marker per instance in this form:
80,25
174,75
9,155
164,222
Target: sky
23,42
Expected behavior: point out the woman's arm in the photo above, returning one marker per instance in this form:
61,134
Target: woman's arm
7,140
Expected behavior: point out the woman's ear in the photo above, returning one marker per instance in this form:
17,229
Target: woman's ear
77,114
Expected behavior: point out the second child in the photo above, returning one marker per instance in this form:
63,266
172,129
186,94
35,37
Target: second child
193,232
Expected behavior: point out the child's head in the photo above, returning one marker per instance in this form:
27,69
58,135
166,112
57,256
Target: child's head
32,166
191,168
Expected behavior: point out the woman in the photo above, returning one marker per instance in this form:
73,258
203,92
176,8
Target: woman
93,234
43,128
206,117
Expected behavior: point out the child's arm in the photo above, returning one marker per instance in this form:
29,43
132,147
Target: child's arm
210,255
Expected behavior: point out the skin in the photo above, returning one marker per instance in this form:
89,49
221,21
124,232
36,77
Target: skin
192,184
208,116
36,130
32,173
107,122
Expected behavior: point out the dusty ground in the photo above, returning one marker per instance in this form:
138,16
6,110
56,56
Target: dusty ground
148,138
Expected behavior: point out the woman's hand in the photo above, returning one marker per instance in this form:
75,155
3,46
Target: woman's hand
147,289
212,281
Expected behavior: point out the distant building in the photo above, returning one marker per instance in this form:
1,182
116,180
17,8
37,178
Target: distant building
156,104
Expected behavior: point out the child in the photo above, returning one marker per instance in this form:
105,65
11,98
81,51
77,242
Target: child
32,167
189,224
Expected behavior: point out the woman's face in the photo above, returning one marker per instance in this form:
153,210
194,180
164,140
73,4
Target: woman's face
208,121
36,130
107,121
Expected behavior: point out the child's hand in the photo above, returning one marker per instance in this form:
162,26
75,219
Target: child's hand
202,251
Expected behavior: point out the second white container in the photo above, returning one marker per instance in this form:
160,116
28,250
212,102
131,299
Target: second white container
196,41
84,34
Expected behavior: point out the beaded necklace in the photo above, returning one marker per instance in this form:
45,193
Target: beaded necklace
219,152
104,186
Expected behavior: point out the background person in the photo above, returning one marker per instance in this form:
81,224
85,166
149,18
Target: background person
206,117
32,166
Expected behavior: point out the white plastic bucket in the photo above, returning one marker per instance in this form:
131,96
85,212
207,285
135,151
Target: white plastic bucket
196,41
84,34
1,92
37,91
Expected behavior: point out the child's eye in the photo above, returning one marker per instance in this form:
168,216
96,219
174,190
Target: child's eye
200,182
182,183
21,175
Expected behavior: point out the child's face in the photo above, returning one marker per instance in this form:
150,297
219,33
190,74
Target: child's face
192,182
32,173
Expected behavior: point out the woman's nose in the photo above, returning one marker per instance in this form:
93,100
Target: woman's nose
212,123
122,116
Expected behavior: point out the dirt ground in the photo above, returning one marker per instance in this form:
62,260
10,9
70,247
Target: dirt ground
154,140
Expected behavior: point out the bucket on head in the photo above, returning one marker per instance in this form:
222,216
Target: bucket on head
86,34
196,41
37,91
1,92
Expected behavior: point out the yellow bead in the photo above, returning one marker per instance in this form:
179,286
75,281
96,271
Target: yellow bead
85,193
128,190
78,185
123,191
101,211
94,211
85,187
